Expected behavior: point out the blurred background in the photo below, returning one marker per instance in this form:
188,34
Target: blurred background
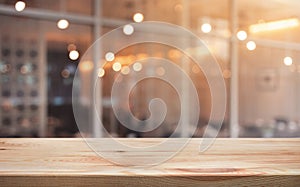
256,44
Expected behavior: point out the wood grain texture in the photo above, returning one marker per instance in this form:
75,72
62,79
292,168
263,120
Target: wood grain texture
228,162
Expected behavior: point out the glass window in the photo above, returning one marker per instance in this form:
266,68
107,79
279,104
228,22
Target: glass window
38,61
268,69
37,76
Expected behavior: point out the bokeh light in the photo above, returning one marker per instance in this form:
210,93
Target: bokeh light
109,56
138,17
74,55
288,61
62,24
117,66
128,29
242,35
206,28
20,6
251,45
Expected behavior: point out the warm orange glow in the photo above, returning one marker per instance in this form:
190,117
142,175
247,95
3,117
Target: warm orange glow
86,66
125,70
274,25
226,73
130,59
195,69
141,56
174,54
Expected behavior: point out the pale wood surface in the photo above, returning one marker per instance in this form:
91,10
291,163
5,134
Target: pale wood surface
228,162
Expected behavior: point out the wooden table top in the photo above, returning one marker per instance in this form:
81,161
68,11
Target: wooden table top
70,162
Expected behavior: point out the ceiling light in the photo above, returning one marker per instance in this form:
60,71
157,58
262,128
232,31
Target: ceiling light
206,28
274,25
288,61
128,29
62,24
20,6
74,55
241,35
138,17
251,45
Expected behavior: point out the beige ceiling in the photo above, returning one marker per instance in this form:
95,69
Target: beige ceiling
249,12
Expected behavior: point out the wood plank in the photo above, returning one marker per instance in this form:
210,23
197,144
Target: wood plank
229,162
